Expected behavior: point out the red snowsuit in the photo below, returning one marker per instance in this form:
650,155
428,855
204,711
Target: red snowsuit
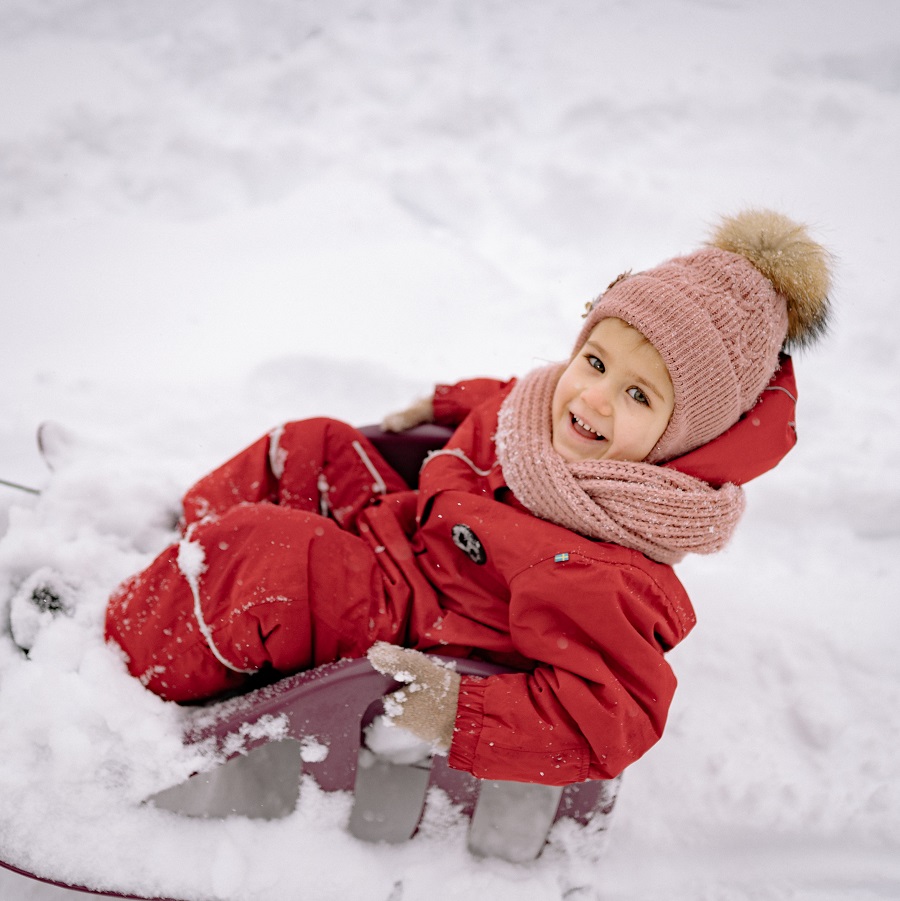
263,580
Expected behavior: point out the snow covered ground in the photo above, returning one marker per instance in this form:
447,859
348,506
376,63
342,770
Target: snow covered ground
217,215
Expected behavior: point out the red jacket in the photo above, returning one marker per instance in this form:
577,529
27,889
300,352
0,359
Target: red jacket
459,567
596,617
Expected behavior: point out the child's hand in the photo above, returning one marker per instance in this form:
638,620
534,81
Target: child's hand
427,706
420,411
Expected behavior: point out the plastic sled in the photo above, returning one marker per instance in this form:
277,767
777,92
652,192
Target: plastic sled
312,723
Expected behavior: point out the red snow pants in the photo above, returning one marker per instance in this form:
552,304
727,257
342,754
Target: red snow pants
272,572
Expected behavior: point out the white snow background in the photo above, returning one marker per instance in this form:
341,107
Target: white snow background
218,215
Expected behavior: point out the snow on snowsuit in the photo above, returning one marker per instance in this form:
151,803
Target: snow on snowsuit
307,547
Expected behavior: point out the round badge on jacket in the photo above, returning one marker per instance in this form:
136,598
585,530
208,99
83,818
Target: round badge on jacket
468,542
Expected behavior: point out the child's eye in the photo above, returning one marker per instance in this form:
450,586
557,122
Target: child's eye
596,362
639,396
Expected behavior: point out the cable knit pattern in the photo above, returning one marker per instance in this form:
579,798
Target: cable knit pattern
658,511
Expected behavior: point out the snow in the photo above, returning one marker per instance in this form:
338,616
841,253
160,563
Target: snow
392,742
218,216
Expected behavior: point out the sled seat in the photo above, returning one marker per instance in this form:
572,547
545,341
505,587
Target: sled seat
313,722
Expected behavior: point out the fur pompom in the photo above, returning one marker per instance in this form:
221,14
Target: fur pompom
798,267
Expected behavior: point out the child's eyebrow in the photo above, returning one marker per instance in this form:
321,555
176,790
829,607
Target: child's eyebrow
630,373
652,387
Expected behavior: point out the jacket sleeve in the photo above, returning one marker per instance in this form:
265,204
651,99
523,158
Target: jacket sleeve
453,403
600,694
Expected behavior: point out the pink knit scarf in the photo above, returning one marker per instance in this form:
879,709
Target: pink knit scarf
658,511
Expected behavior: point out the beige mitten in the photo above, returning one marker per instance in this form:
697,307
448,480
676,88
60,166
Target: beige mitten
426,707
420,411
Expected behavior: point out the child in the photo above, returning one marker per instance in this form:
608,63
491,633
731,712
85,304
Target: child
542,537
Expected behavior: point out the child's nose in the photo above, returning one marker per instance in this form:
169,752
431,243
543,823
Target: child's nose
597,397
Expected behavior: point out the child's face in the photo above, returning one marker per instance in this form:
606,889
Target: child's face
615,398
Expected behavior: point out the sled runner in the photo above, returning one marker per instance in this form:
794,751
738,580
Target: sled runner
312,724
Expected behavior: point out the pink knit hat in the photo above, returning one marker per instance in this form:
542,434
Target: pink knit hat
719,318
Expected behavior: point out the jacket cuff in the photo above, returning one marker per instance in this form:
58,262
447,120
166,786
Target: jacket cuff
469,723
449,410
478,745
453,403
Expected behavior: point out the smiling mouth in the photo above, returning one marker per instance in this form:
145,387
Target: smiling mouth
583,429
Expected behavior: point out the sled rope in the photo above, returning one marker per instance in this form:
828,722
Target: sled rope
19,487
